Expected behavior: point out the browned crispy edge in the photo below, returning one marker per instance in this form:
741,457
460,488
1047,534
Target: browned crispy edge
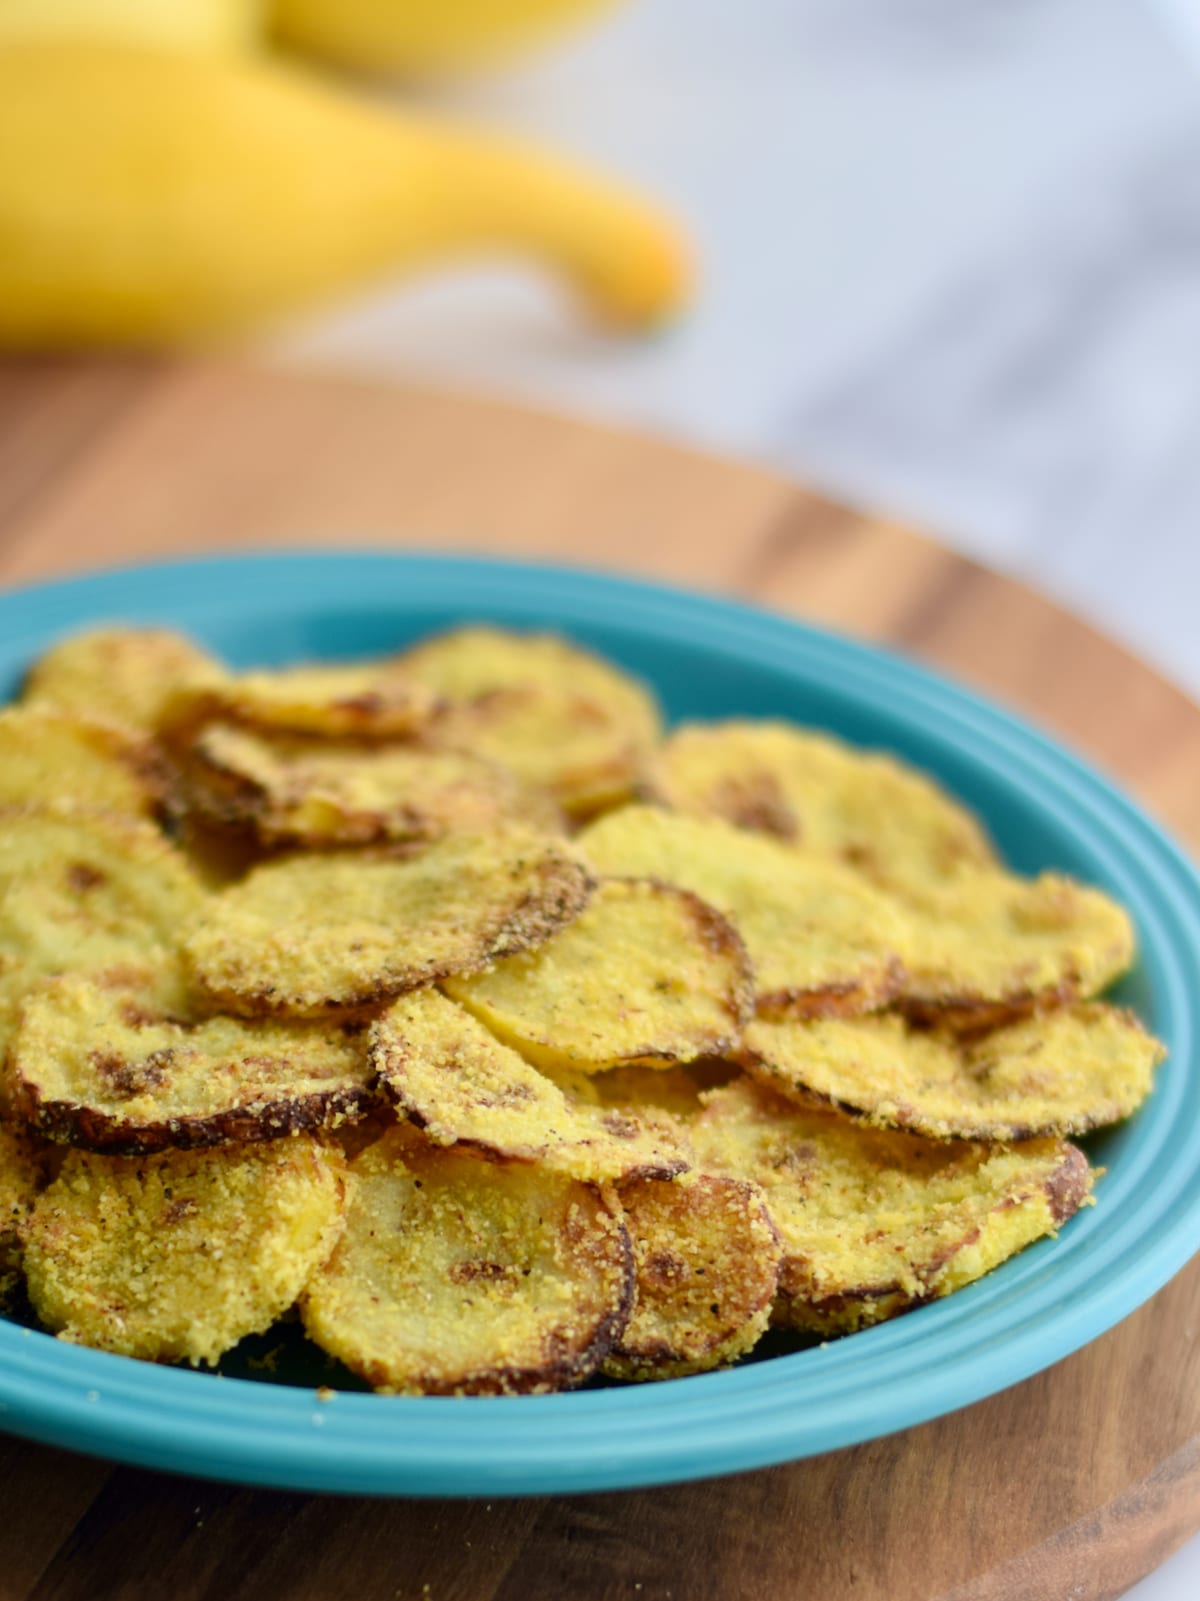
70,1123
853,997
360,714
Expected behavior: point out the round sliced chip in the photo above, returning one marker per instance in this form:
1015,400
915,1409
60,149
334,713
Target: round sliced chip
809,789
874,1221
824,943
648,974
88,892
559,716
104,1070
369,700
304,790
318,935
992,947
707,1260
178,1256
120,675
462,1276
49,757
456,1081
1063,1073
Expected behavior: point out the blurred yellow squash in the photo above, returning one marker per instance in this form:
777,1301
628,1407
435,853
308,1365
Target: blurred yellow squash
152,196
419,36
174,24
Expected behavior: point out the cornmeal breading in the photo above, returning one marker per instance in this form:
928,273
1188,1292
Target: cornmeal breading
176,1257
462,1276
315,935
61,759
1062,1073
338,700
102,1069
873,1221
707,1260
647,974
119,675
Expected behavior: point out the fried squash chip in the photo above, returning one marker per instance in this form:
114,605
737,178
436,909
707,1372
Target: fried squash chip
559,716
648,974
1063,1073
57,758
367,700
88,892
707,1259
865,808
119,675
461,1276
176,1257
312,936
874,1221
459,1084
823,942
101,1069
295,789
992,947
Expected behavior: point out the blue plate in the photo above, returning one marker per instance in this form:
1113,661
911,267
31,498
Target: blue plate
707,658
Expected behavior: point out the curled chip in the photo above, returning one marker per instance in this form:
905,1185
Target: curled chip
461,1276
88,892
178,1256
369,700
823,942
101,1069
707,1257
462,1086
557,715
648,974
993,947
57,758
318,935
874,1221
119,675
295,789
1063,1073
863,807
21,1178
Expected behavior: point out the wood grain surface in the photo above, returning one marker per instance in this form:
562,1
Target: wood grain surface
1073,1484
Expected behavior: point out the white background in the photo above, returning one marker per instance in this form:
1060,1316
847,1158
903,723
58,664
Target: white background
951,259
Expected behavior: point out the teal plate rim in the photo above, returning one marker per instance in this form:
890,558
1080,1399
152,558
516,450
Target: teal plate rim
1056,1297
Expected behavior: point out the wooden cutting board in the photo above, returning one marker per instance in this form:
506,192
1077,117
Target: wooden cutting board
1073,1484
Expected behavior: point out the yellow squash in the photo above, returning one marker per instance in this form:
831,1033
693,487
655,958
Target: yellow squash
152,196
419,36
176,24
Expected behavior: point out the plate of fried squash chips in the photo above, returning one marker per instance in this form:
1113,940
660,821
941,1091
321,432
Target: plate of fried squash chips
474,1028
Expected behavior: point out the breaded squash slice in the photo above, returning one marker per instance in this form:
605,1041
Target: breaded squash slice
338,700
312,936
648,974
1062,1073
22,1177
176,1257
295,789
559,716
811,790
88,892
459,1084
874,1222
462,1276
993,947
823,942
100,1069
707,1258
119,675
49,757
